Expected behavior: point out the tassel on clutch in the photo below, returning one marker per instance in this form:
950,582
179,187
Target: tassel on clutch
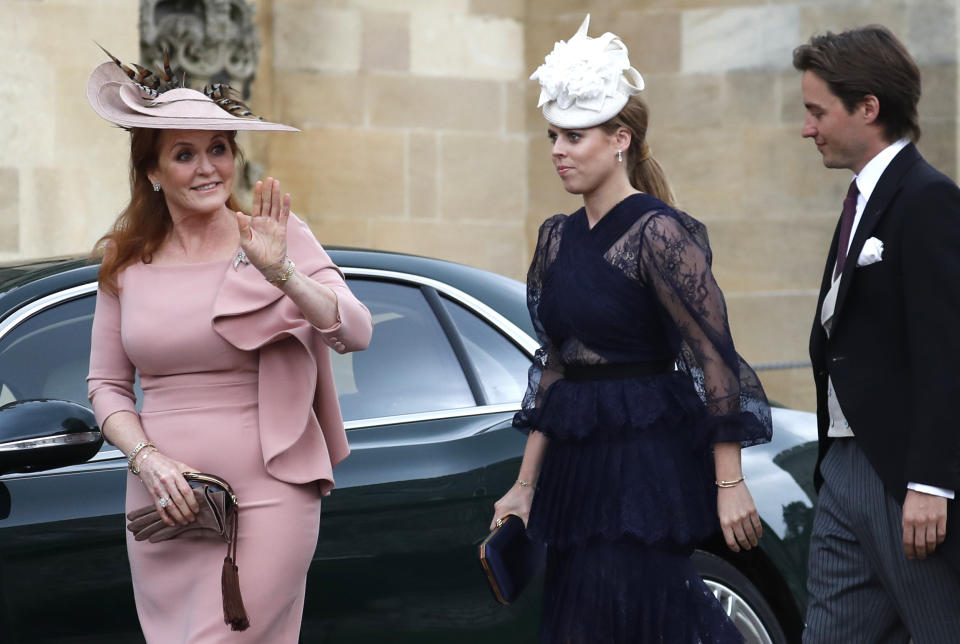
218,514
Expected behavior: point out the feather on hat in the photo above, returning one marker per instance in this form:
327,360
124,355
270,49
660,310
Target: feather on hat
141,98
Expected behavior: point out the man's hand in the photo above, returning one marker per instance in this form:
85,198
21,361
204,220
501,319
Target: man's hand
924,523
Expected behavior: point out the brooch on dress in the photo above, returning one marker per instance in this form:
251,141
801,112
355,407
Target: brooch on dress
241,258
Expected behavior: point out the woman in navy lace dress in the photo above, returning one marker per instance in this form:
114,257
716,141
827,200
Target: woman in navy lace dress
638,404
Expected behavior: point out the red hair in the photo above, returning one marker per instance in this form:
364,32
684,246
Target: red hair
145,223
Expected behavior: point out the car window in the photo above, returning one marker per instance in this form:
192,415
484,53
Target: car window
501,365
48,355
409,366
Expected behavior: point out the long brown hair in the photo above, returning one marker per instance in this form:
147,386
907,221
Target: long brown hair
145,223
644,172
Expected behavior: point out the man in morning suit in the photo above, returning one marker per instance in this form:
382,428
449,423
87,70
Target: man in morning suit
885,346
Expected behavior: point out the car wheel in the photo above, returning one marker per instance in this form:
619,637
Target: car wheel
740,599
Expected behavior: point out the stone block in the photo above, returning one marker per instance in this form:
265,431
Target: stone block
653,39
312,37
424,196
386,41
483,178
28,98
718,40
436,6
772,327
515,106
701,4
940,91
353,232
539,9
791,388
342,172
68,210
515,9
434,103
792,111
497,247
308,99
465,46
818,19
83,139
704,166
10,210
939,145
62,31
689,100
535,124
932,31
750,97
770,254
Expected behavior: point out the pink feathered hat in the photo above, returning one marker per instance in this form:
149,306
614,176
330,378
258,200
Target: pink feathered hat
117,97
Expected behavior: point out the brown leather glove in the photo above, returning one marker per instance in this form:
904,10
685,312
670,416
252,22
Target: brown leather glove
145,522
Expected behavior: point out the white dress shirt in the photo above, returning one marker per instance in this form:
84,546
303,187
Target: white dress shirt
866,183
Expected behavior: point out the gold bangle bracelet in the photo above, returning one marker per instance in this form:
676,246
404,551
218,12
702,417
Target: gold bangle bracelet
286,274
732,483
136,450
135,467
523,483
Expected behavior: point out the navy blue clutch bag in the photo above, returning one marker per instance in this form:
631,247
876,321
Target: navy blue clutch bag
510,560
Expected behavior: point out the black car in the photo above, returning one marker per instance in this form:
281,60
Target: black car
428,410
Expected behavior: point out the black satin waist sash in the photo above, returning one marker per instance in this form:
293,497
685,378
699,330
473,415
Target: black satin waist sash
616,370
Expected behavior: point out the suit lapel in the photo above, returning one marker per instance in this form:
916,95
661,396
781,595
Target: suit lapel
883,193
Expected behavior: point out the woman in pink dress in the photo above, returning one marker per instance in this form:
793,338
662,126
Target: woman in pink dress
228,319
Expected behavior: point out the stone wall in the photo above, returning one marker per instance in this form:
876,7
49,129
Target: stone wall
413,122
420,132
62,168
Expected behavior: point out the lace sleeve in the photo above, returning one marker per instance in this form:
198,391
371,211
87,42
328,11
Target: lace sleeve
675,261
546,367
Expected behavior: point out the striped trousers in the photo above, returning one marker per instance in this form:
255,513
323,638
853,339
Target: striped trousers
863,588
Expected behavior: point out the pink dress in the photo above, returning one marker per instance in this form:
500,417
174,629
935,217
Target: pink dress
201,405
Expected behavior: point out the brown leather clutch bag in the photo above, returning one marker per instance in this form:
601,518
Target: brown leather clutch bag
219,515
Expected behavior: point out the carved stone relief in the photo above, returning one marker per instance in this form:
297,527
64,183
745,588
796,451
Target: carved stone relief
212,41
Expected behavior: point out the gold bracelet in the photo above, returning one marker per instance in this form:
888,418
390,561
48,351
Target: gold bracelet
523,483
135,467
136,450
286,274
733,483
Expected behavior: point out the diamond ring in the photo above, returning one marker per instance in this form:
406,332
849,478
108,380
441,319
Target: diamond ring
164,501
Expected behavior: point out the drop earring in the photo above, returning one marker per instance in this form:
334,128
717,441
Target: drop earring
619,156
156,187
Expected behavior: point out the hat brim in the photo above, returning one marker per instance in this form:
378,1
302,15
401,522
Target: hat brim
108,87
575,118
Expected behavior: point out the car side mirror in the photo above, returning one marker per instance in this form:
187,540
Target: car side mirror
40,435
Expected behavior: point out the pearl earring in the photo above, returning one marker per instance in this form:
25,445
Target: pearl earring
619,156
156,187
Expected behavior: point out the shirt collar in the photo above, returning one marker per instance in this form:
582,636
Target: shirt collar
870,174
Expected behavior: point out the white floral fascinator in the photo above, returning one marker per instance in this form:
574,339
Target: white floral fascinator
586,81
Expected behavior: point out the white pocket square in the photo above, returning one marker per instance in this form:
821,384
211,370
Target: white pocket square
871,253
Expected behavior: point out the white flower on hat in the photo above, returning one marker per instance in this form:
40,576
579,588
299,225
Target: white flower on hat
590,77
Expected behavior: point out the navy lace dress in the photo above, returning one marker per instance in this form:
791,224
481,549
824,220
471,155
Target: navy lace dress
626,487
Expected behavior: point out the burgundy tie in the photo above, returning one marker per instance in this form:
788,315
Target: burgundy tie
846,225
